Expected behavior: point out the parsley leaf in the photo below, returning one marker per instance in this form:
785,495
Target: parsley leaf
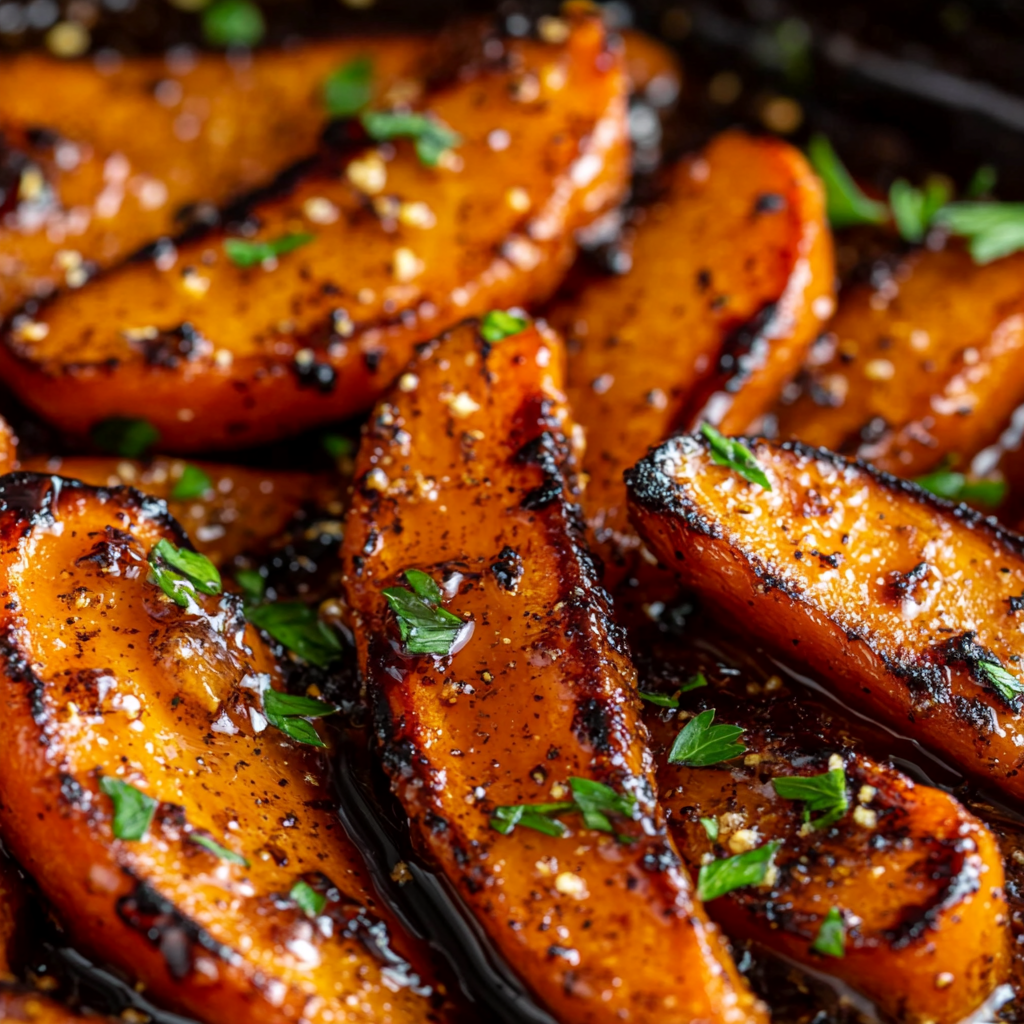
831,938
179,573
992,230
1008,686
245,253
211,844
299,628
233,23
711,827
309,901
982,182
735,456
593,800
133,809
338,446
349,88
722,876
289,713
847,205
914,209
820,793
945,483
425,627
694,683
193,483
666,700
700,743
252,583
126,437
432,138
499,324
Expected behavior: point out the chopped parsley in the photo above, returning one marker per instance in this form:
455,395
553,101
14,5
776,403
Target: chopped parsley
211,844
700,743
338,446
425,627
193,483
1008,686
711,827
289,713
982,182
245,253
831,937
735,456
499,324
946,483
431,138
914,209
298,627
253,585
179,573
821,794
233,23
129,438
133,809
666,700
308,900
992,229
847,205
723,876
595,801
349,88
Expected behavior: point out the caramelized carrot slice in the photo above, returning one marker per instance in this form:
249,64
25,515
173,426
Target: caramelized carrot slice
240,511
910,883
113,159
217,354
731,275
231,891
919,366
907,603
465,473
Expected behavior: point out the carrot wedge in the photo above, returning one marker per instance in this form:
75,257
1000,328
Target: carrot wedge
900,897
907,603
732,275
383,246
465,483
179,819
919,367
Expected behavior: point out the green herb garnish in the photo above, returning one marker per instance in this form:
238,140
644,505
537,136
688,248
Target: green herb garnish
1008,686
946,483
914,209
992,230
711,827
671,700
253,585
722,876
700,743
338,446
982,182
425,627
133,809
179,573
348,89
211,844
499,324
735,456
831,938
126,437
193,483
847,205
233,23
432,138
824,794
299,628
593,800
245,253
289,713
309,901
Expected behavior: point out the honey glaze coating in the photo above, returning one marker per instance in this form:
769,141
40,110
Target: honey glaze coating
393,248
467,473
908,604
107,681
